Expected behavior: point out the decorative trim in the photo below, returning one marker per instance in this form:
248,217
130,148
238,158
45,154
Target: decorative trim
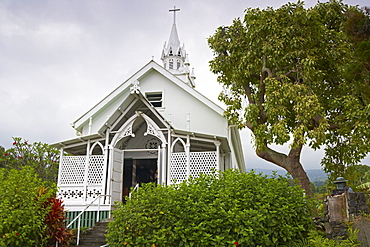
153,129
152,143
92,193
100,145
126,129
70,194
135,87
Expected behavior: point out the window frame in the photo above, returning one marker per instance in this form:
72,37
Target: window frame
155,98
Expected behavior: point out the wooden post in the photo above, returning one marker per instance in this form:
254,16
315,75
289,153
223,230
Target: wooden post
187,156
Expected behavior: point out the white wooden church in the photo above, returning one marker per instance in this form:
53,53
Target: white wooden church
155,127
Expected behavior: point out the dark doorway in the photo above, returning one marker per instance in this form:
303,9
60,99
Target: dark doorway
146,171
138,171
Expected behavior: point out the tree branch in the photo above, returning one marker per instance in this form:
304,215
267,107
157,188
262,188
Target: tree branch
248,93
272,156
315,122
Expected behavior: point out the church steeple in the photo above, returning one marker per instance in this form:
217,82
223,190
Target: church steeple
174,56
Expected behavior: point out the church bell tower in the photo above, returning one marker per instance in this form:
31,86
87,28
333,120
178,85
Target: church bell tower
174,56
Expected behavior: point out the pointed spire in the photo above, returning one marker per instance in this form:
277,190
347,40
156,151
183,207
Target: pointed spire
187,60
174,56
192,73
174,40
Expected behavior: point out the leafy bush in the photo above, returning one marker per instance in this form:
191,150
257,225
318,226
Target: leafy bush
30,215
225,209
22,211
317,239
56,230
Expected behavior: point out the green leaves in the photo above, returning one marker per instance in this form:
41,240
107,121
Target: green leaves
299,76
22,211
43,158
213,210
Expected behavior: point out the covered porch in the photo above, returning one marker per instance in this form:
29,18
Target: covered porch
111,166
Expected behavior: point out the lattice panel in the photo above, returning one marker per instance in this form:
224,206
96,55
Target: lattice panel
178,167
202,162
96,169
72,170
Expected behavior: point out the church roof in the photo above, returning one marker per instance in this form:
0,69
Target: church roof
110,99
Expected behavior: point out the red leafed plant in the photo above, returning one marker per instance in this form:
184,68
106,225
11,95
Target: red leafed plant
55,222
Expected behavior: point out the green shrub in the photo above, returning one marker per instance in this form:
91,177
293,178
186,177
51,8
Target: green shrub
317,239
226,209
22,208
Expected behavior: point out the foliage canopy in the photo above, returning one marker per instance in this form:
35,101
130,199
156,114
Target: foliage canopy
291,75
213,210
43,158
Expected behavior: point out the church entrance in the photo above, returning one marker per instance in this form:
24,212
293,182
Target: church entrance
139,171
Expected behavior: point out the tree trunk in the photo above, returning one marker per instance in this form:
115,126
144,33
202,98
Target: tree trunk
291,163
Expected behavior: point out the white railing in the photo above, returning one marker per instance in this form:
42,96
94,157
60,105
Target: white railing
135,188
78,217
81,178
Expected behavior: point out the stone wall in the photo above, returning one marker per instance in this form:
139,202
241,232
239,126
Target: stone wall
340,209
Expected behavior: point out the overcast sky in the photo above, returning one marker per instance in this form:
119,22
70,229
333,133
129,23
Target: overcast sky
59,58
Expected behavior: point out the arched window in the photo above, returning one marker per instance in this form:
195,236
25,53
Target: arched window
178,64
171,64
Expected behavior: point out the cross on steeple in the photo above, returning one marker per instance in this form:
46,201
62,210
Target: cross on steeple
174,13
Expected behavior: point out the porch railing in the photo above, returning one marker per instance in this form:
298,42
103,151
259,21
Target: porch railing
81,178
78,217
136,188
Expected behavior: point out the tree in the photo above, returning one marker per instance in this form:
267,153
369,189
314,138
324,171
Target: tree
357,175
43,158
283,73
338,160
226,209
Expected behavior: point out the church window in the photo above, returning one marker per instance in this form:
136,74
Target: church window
171,54
171,64
155,98
179,53
178,64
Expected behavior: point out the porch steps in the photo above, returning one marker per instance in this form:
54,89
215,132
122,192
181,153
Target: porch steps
95,236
